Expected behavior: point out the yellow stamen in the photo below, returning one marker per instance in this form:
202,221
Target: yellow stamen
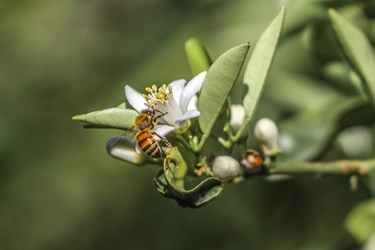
160,96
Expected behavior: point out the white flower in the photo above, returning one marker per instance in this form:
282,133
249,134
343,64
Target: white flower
267,134
177,100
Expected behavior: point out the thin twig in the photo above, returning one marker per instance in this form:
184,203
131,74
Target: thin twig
360,167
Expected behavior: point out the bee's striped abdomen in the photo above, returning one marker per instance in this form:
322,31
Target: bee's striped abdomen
148,144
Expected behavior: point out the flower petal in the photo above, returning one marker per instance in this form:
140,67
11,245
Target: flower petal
172,111
188,115
138,149
163,130
193,86
177,87
193,103
120,148
135,99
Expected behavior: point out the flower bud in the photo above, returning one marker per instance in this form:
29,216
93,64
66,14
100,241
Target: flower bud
252,159
225,168
266,133
122,149
370,244
237,116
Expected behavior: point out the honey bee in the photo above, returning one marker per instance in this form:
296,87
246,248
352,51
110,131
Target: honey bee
145,137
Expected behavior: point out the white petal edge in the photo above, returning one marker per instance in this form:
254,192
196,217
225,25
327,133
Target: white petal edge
193,103
122,149
136,99
177,87
191,88
173,112
188,115
163,130
126,155
138,149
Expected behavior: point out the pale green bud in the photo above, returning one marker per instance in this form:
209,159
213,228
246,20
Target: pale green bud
267,134
225,167
237,116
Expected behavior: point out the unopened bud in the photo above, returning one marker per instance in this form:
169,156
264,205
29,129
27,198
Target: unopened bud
225,168
370,244
122,149
252,159
267,134
237,116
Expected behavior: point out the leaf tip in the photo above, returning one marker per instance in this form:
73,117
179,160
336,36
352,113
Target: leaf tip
191,40
332,13
334,16
78,118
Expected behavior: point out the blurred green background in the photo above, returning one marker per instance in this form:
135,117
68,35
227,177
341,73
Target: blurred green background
60,189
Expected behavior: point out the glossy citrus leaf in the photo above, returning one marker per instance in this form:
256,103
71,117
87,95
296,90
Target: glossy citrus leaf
119,118
259,64
219,81
307,135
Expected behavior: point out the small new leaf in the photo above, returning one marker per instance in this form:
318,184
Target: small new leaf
197,55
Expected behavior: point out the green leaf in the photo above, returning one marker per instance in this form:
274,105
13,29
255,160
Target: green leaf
170,183
119,118
301,13
259,64
257,69
357,48
344,77
361,221
121,106
307,135
197,55
217,85
299,92
203,193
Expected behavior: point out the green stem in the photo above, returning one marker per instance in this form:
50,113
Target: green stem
360,167
183,140
198,147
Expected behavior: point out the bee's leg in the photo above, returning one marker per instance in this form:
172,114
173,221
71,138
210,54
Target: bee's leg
165,140
169,162
158,116
161,114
